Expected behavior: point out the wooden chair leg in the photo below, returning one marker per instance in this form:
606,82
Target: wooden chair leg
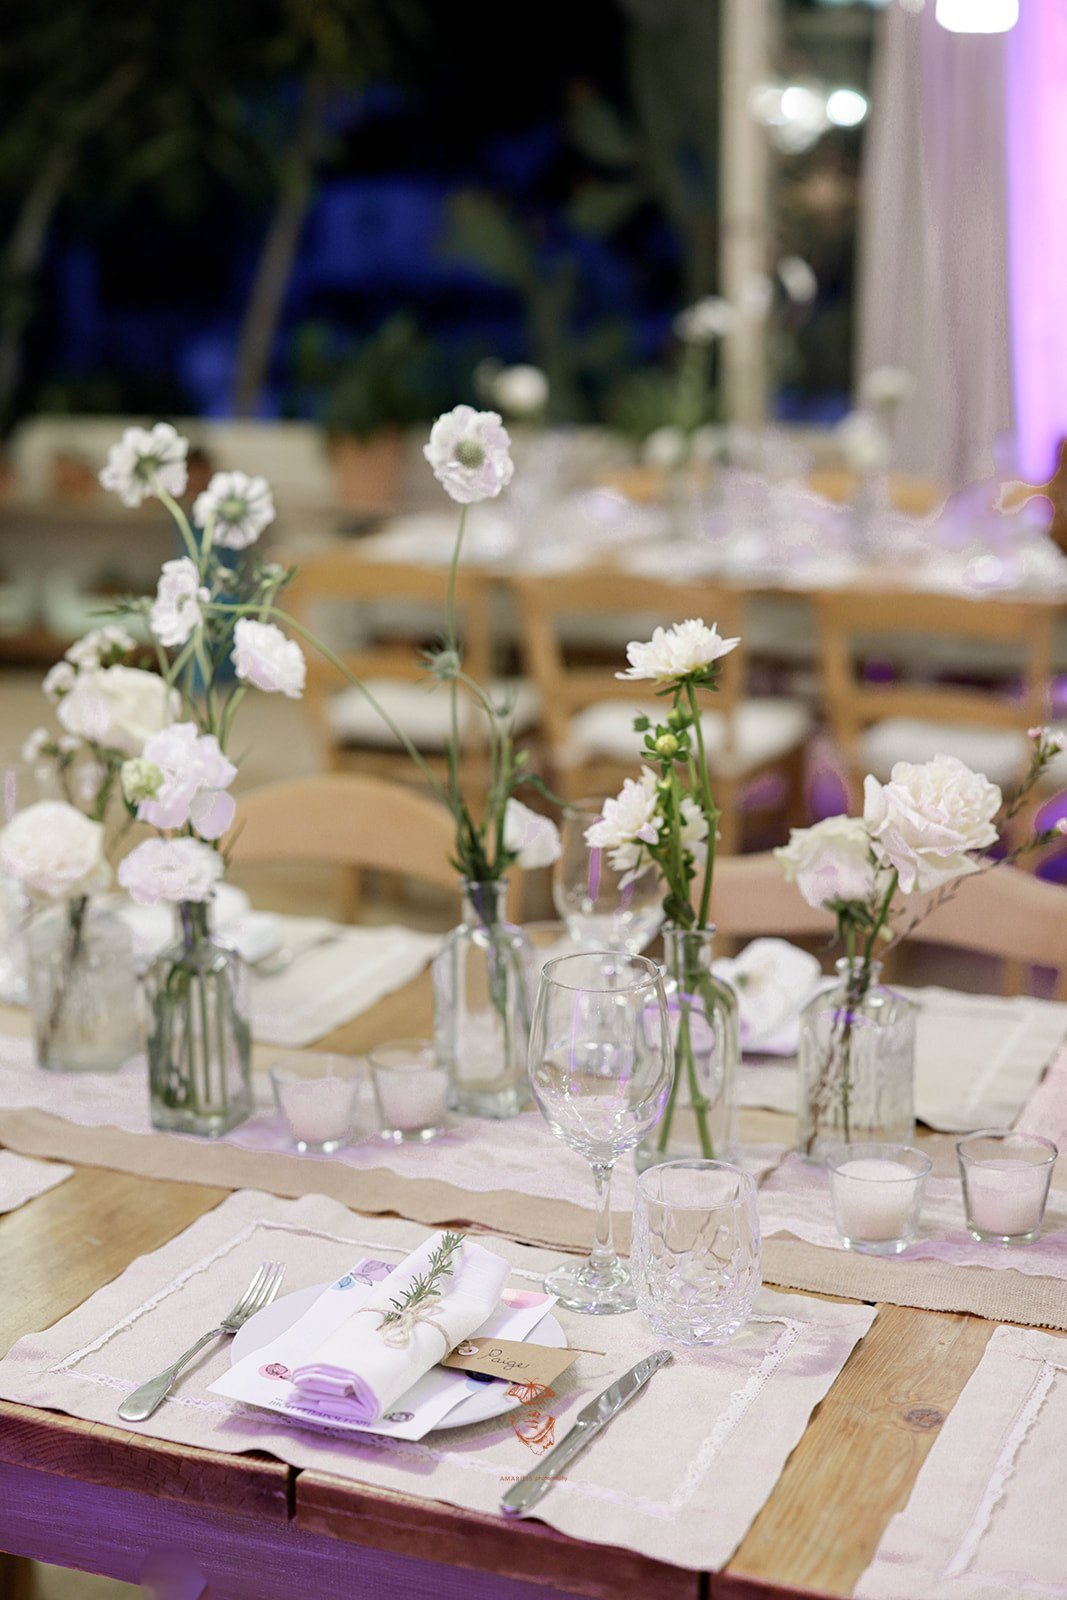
796,773
17,1581
728,798
351,893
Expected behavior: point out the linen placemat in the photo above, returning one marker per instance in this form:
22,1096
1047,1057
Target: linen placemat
985,1518
978,1059
22,1179
513,1176
680,1478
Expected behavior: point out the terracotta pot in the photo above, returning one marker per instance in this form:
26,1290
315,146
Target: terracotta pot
369,471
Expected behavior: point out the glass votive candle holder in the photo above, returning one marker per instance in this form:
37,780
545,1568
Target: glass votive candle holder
410,1090
316,1096
1006,1177
876,1191
696,1256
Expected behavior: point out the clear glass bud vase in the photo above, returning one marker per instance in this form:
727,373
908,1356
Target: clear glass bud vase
701,1114
857,1063
199,1038
83,988
482,1006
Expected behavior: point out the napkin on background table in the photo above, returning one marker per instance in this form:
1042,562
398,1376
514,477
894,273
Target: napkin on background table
360,1373
773,980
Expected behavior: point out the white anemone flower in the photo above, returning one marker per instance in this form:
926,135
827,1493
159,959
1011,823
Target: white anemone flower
241,506
675,653
470,453
145,462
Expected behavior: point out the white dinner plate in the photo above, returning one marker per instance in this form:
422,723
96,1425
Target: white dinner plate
489,1397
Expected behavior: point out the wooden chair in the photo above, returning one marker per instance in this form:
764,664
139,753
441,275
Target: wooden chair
878,723
1003,913
587,713
399,610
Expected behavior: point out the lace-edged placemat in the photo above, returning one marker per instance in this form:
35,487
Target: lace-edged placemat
679,1477
22,1179
986,1516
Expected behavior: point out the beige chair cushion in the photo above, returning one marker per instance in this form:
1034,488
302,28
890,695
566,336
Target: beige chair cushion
422,711
763,731
1000,753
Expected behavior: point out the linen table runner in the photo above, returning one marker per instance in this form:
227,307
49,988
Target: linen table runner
22,1180
978,1058
679,1477
986,1516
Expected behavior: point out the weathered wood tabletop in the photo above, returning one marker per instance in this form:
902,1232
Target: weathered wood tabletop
103,1499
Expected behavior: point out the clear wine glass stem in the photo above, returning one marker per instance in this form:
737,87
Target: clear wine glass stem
603,1262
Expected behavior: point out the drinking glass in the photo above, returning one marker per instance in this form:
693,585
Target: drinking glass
316,1095
1006,1175
601,1067
696,1249
597,911
410,1090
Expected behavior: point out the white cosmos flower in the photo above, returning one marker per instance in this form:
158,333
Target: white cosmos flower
674,653
830,861
709,319
54,851
143,462
265,658
99,645
927,821
118,707
242,508
194,778
532,839
470,453
521,391
59,680
172,870
175,611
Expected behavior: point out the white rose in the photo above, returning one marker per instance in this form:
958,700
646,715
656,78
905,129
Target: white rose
676,652
118,707
929,818
170,869
265,658
470,453
54,851
532,839
830,861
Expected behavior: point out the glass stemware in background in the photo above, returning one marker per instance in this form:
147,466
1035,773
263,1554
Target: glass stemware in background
601,1067
585,888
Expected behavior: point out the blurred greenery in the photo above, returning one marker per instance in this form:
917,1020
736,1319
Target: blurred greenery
392,379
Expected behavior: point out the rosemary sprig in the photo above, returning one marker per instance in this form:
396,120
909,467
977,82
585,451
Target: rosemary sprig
427,1287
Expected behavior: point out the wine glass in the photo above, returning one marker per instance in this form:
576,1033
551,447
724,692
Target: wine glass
601,1068
600,914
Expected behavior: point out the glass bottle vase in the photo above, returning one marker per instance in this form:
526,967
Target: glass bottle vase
700,1118
856,1063
82,988
482,1006
199,1036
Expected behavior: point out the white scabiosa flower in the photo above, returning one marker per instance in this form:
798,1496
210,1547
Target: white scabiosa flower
241,506
709,319
470,453
176,610
171,870
532,839
265,658
686,650
146,461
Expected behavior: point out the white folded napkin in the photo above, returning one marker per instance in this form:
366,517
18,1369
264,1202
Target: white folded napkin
773,980
363,1368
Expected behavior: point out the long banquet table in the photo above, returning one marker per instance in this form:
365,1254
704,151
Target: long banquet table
252,1528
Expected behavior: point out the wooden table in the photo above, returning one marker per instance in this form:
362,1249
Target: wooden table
251,1528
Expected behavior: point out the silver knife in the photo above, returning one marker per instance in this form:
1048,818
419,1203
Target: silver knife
527,1492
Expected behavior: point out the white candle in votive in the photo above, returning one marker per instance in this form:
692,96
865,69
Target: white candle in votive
1006,1196
318,1110
412,1099
872,1198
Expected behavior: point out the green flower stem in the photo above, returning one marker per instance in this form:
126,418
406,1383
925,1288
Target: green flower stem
708,806
184,525
452,646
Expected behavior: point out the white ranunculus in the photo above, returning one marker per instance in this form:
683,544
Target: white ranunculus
798,279
470,453
102,644
59,680
927,821
175,611
521,391
532,839
864,443
241,506
830,861
627,824
709,319
265,658
195,776
887,386
674,653
172,870
143,462
118,708
54,851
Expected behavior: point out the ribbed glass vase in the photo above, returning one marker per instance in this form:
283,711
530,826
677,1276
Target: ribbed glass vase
82,988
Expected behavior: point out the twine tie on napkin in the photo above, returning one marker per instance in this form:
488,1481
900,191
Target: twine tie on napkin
396,1329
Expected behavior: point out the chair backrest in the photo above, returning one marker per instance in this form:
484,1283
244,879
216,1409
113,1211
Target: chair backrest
348,820
566,686
1005,913
854,626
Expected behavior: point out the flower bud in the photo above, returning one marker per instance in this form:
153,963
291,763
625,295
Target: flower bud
666,746
141,780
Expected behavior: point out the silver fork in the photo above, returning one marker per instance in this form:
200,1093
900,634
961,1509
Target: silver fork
260,1292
